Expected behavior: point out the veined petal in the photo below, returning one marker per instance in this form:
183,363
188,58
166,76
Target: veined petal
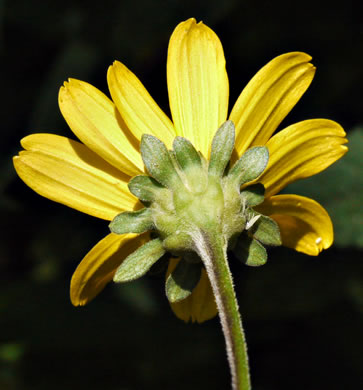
69,173
138,109
302,150
197,83
200,306
100,264
269,97
304,224
94,119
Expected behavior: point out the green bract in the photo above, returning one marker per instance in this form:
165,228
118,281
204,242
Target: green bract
186,198
132,222
140,261
181,282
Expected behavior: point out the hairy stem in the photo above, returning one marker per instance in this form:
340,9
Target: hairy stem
211,247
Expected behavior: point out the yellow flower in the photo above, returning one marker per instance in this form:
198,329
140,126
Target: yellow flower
92,176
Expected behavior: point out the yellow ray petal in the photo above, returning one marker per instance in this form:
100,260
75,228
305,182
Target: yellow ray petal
69,173
304,224
200,306
269,97
99,265
197,83
95,120
138,109
302,150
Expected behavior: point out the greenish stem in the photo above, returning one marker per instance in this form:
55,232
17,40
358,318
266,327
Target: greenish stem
212,248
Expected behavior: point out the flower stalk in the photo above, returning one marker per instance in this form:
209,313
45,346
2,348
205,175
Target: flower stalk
213,251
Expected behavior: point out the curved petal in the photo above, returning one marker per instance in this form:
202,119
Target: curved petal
99,265
137,108
95,120
67,172
302,150
200,306
197,83
269,97
304,224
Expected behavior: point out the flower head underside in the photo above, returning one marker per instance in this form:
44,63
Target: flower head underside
92,176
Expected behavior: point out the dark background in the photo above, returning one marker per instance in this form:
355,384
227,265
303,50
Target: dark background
302,315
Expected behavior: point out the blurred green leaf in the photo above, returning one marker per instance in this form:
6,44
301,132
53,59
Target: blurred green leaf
339,190
11,352
138,296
